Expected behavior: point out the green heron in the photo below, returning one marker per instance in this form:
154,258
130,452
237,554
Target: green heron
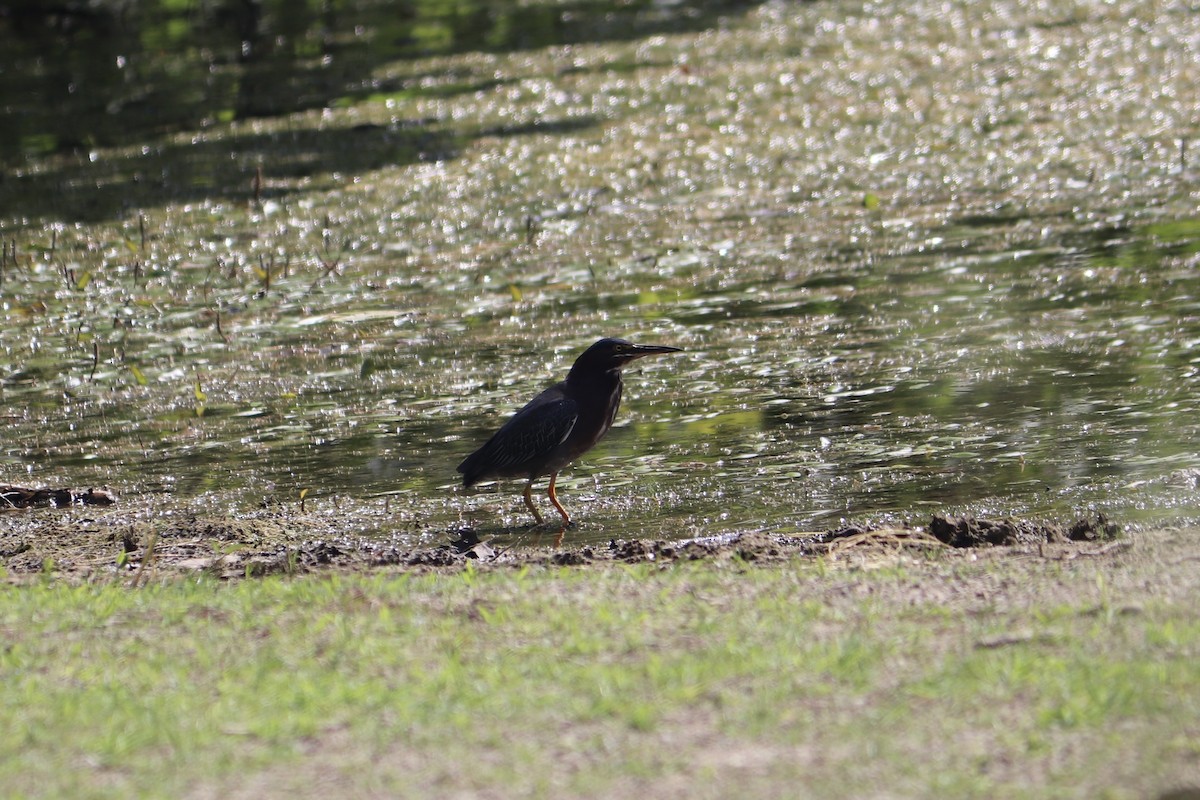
560,424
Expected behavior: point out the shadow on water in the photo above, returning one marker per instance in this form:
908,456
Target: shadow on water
75,77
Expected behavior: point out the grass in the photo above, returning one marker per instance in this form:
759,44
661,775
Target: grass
701,679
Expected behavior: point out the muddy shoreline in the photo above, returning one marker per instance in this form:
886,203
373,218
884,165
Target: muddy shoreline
79,546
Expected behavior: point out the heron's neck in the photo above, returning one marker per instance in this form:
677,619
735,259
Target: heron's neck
594,381
601,391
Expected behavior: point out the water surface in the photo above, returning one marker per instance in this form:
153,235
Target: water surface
894,299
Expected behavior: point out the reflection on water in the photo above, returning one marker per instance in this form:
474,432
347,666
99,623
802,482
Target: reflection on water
351,335
93,95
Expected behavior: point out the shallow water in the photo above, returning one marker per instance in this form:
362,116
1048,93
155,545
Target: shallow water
865,341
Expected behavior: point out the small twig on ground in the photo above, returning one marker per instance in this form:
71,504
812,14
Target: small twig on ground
1111,547
147,559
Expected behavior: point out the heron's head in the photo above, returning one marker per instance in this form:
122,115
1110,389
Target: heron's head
612,354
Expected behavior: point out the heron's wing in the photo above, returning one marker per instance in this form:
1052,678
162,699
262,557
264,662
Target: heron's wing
534,432
530,436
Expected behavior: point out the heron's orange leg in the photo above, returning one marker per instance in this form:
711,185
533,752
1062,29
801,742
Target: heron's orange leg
529,502
554,499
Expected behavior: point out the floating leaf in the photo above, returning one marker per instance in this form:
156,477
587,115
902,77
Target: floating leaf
84,280
871,201
138,375
200,396
515,290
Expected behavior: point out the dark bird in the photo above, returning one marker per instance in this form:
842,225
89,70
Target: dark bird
560,424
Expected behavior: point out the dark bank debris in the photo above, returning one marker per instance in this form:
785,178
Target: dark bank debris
972,532
24,497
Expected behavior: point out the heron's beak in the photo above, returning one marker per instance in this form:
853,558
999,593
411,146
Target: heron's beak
643,350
